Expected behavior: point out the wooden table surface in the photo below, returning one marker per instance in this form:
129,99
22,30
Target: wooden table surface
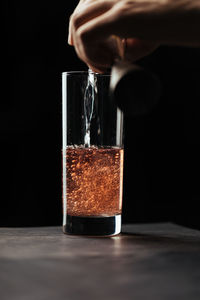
147,261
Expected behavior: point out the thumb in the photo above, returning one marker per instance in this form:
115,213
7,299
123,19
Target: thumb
134,49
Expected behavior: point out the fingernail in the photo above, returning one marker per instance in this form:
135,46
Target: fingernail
70,41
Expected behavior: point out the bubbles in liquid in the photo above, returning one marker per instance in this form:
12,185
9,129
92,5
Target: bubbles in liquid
94,181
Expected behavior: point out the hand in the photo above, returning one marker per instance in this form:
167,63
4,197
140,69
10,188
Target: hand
100,49
96,26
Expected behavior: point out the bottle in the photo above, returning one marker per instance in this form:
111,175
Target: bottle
136,90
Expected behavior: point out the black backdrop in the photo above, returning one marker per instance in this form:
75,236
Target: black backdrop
161,176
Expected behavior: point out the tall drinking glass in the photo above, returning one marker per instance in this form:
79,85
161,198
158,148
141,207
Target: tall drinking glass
92,155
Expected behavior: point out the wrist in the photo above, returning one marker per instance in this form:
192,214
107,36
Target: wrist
166,22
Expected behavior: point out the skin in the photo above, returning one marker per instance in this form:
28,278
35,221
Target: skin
103,31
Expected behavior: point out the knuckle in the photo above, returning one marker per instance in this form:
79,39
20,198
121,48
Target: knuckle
123,6
75,20
83,35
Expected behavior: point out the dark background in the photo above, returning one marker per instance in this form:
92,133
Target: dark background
162,157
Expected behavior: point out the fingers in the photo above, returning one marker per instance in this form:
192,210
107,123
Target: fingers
86,11
97,29
95,51
98,55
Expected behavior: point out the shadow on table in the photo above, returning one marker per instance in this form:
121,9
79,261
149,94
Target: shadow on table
161,240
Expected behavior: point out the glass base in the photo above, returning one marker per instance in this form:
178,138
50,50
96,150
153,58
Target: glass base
95,226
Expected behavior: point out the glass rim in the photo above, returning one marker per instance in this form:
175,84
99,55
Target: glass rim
71,73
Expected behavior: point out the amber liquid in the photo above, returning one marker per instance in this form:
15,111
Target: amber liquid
93,181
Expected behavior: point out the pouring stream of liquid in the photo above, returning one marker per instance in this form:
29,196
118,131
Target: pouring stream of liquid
89,97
